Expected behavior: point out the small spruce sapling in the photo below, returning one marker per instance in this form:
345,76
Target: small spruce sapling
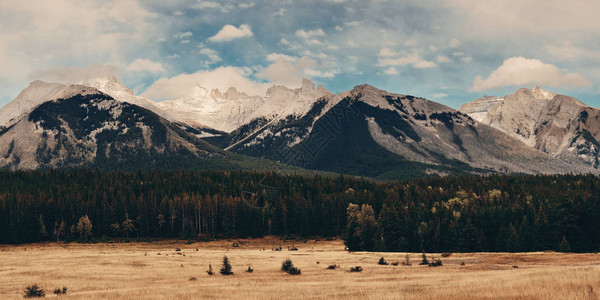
424,261
226,268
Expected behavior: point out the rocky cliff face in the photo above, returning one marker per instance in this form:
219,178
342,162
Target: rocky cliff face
478,108
558,125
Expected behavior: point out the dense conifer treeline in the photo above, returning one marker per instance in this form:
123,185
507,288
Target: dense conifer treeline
468,213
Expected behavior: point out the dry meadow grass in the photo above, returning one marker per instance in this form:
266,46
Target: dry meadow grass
158,271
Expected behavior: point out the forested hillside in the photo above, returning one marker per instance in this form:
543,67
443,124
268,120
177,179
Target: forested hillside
469,213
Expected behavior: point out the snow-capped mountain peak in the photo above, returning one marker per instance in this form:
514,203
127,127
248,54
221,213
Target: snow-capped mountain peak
39,92
113,87
35,94
229,110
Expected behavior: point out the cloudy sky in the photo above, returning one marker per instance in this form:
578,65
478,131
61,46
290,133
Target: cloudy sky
450,51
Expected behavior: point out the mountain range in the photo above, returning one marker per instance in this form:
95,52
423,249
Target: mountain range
363,132
558,125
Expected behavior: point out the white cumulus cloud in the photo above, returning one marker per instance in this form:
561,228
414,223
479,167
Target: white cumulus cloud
278,56
145,65
310,33
220,78
443,59
289,72
183,35
230,32
521,71
212,56
224,8
75,74
413,59
246,4
391,71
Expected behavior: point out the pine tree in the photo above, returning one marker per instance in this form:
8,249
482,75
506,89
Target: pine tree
470,239
391,228
564,245
43,232
226,268
61,231
542,231
351,239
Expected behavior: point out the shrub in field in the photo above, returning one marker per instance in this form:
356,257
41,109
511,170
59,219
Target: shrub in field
210,270
395,263
226,268
382,261
249,270
436,263
59,291
294,271
406,261
33,291
356,269
286,265
446,254
332,267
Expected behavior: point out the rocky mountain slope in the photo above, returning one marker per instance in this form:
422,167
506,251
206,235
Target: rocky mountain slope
371,132
39,91
81,126
555,124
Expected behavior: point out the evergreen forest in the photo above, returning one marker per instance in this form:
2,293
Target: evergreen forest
437,214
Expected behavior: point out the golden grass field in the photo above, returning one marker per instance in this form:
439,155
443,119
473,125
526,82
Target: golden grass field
157,271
